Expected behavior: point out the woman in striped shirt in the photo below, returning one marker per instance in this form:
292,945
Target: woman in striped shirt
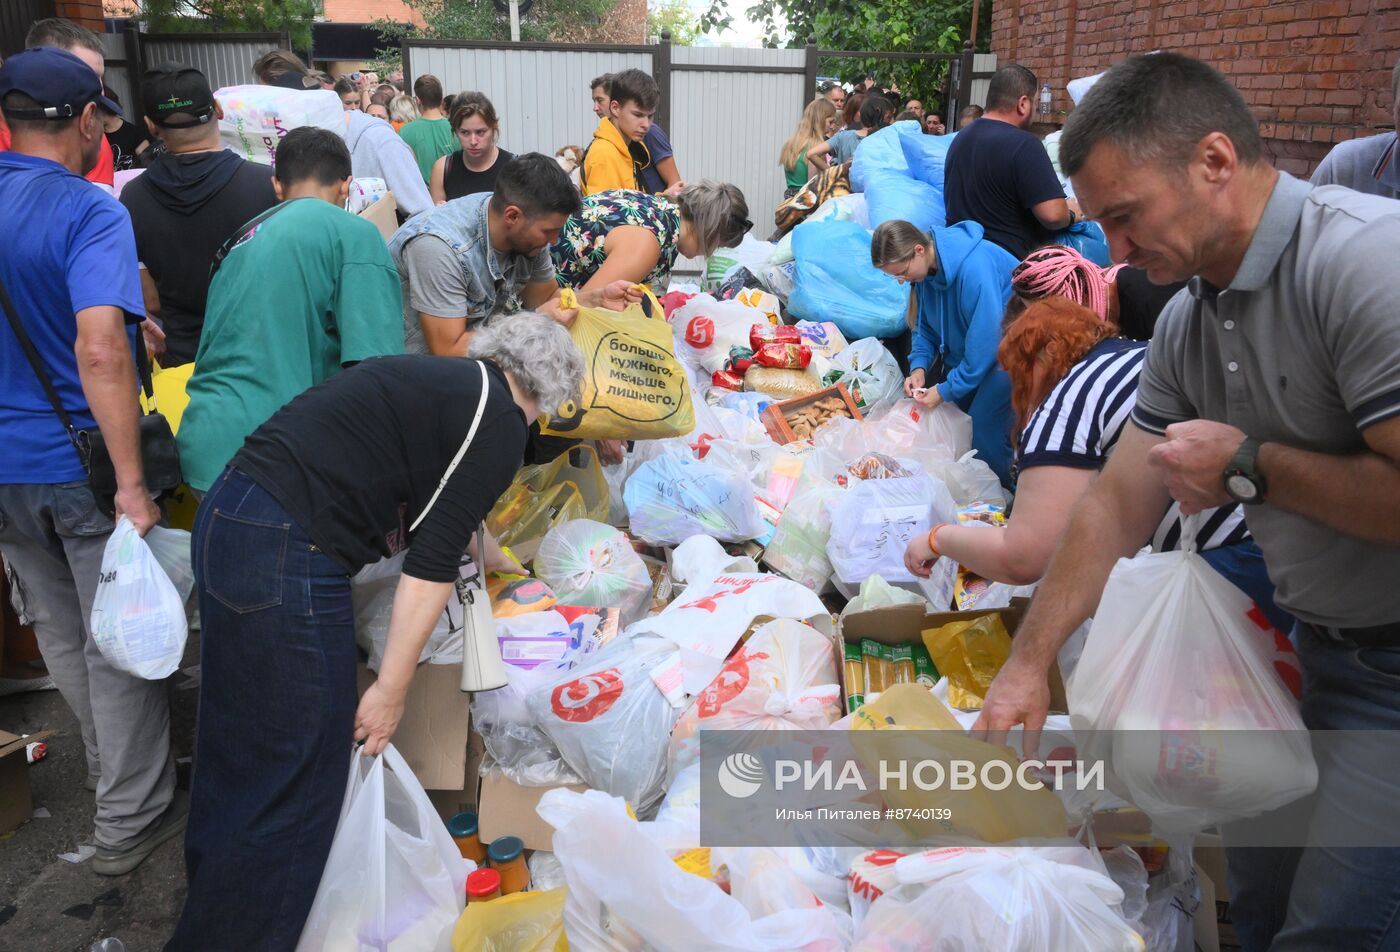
1073,387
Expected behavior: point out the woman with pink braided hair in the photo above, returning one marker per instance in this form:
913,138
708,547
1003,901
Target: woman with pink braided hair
1119,294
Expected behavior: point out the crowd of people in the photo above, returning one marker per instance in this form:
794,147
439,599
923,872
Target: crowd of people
1238,362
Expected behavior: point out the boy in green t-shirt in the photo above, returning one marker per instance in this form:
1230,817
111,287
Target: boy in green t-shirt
298,293
429,136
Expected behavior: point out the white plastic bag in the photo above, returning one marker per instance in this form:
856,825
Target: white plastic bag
372,592
625,893
952,900
671,499
514,741
875,592
171,547
873,521
610,721
798,546
257,117
394,880
138,617
751,253
870,373
782,678
706,329
592,565
1172,656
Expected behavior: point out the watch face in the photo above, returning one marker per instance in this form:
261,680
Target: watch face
1241,487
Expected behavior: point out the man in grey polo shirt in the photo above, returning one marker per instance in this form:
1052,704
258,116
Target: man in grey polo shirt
487,254
1274,378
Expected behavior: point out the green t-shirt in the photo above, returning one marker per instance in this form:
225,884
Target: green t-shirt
309,291
430,140
797,175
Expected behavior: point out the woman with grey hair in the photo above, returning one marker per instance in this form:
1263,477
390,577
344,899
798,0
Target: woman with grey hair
633,236
397,453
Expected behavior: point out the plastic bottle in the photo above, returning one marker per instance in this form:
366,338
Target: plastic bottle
464,833
1045,99
507,855
483,885
109,944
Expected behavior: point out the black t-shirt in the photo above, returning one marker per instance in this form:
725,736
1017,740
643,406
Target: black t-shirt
994,174
125,142
182,209
355,459
458,180
1140,302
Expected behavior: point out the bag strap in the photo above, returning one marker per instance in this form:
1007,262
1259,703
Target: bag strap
36,364
461,451
232,241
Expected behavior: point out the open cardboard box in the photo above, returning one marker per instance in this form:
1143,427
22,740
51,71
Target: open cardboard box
16,801
434,732
905,624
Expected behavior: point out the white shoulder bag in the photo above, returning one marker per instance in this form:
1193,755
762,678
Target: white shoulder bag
482,668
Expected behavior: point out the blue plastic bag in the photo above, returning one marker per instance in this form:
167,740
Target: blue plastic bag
1085,237
900,170
891,196
836,282
671,498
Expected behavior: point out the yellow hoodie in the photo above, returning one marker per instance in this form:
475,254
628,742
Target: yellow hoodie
611,162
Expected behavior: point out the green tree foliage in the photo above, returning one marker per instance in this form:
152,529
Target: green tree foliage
920,26
230,16
675,16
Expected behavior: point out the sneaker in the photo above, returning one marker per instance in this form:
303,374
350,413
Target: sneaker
110,862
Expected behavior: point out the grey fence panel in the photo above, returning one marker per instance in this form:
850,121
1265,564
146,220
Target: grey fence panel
225,60
541,95
730,122
981,63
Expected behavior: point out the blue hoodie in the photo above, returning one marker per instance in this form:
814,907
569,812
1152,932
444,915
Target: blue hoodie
961,306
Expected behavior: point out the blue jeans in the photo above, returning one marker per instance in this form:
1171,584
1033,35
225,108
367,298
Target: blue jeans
1293,899
276,721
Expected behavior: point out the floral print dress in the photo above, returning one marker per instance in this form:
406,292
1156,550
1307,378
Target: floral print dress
580,250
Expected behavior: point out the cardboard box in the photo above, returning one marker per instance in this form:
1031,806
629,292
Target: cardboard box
503,808
16,802
1206,931
905,624
777,417
433,734
384,215
1209,855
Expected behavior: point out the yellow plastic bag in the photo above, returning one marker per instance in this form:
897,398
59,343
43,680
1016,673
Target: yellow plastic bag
970,653
541,497
519,922
907,724
633,386
169,386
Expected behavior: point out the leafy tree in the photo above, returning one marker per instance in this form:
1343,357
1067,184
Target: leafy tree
197,16
676,16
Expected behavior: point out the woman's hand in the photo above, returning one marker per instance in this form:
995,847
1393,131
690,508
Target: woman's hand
619,294
497,560
611,452
674,192
914,381
919,556
378,717
929,399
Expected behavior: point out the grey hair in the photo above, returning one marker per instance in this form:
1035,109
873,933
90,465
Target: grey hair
402,108
718,212
894,242
1157,108
538,352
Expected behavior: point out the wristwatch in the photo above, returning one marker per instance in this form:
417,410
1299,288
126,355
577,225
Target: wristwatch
1243,481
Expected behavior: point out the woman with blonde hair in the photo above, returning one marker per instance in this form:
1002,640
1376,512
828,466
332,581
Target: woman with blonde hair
476,164
818,123
1073,387
402,111
637,237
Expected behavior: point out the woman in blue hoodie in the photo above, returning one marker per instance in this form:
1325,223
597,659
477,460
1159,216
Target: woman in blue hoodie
961,286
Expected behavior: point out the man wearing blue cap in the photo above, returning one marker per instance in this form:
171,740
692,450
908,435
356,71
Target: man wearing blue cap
68,266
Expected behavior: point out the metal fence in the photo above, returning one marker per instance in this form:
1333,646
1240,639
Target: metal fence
16,16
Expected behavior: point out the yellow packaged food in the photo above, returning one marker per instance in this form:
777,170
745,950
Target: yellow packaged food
969,654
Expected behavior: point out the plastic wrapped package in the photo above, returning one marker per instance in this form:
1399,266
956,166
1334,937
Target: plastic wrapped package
870,373
1173,657
255,118
782,384
836,282
626,894
706,329
540,497
751,253
770,882
969,653
514,741
781,279
520,922
782,678
765,302
892,196
873,521
610,721
798,546
593,565
138,616
750,405
671,499
875,592
904,431
951,900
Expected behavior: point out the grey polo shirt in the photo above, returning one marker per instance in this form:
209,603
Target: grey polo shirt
1302,348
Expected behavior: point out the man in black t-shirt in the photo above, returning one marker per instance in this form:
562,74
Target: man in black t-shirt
999,175
188,203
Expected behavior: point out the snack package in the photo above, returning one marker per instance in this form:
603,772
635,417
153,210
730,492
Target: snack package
854,675
879,667
969,653
760,334
805,422
706,329
781,384
762,301
739,361
878,466
727,380
784,356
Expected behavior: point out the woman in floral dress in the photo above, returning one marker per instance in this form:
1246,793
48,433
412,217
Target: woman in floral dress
637,237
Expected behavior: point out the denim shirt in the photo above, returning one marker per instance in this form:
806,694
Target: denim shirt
491,281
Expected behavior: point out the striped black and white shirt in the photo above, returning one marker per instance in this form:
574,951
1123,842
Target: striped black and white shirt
1080,422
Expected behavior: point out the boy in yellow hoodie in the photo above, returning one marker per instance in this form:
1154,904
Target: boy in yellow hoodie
616,156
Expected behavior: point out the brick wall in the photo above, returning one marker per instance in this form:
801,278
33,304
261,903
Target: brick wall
1315,72
86,13
367,11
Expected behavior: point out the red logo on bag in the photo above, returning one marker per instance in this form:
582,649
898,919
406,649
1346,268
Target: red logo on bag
710,602
587,698
700,332
728,685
